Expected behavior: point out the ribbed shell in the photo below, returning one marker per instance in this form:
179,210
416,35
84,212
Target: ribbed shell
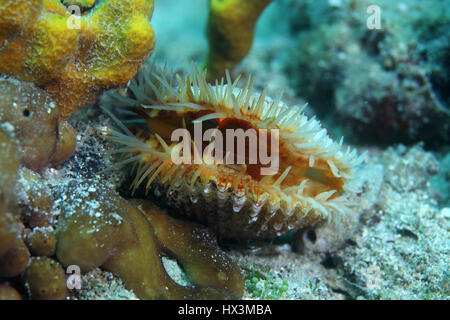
231,208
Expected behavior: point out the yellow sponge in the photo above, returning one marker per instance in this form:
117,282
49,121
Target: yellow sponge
231,26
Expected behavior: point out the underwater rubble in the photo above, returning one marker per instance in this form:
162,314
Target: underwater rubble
386,85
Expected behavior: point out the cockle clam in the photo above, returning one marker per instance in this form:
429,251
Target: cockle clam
236,201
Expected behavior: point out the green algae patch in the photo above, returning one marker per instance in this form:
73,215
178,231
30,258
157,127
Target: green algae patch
263,285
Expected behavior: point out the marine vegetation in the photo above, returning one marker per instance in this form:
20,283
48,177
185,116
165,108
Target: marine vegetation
261,284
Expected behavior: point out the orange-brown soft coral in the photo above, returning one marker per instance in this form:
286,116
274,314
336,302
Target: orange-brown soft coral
9,165
9,293
194,247
41,241
33,116
74,58
7,233
35,199
13,252
15,260
102,229
66,144
45,279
